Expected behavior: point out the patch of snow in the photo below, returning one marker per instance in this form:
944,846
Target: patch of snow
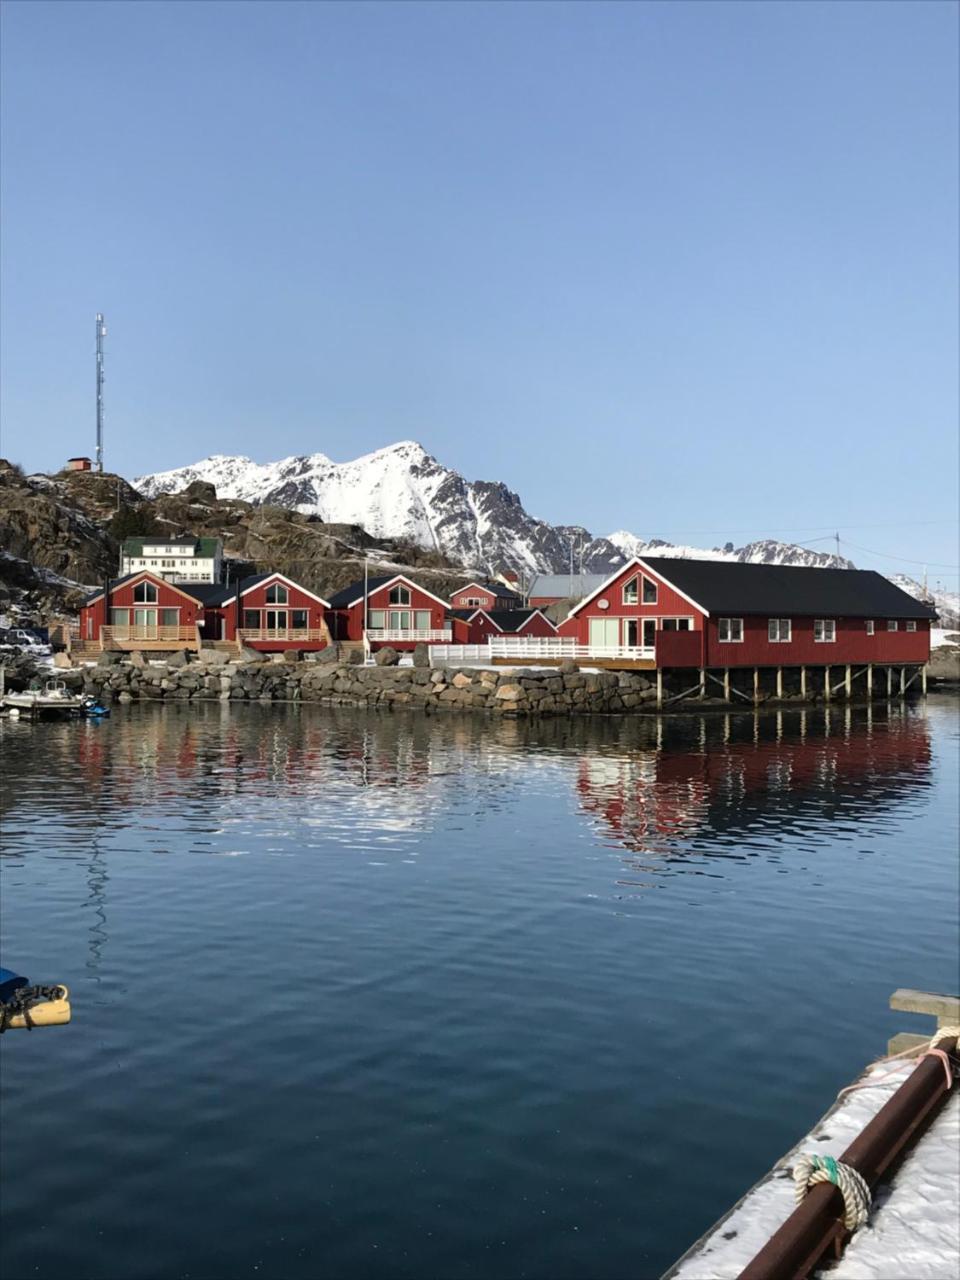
940,636
914,1227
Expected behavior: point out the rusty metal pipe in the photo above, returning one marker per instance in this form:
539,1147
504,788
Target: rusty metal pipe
798,1245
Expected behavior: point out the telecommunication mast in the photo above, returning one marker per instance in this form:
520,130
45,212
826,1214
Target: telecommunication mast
101,334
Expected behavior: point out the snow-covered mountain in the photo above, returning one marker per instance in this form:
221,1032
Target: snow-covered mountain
946,603
403,492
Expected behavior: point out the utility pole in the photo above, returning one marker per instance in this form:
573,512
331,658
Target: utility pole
837,536
571,564
101,334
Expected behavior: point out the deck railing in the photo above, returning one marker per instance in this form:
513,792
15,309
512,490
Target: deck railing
441,654
554,647
408,635
130,631
291,634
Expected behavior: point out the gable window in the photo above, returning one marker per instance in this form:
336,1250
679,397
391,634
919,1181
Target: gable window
399,594
649,592
631,591
145,593
778,630
869,626
730,630
277,593
824,630
911,626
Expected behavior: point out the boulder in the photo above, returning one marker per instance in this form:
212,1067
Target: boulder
421,655
386,657
461,681
108,658
330,653
213,657
178,659
568,667
508,693
200,491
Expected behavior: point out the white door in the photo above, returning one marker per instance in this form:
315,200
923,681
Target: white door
604,632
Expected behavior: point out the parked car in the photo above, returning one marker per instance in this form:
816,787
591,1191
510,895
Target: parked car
22,640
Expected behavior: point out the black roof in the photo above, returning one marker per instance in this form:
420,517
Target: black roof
205,592
344,598
511,619
726,586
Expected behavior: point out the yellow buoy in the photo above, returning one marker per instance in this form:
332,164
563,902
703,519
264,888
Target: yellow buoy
45,1013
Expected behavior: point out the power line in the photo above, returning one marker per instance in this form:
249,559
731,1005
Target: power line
884,555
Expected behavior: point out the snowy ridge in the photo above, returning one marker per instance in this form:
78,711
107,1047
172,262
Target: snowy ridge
403,492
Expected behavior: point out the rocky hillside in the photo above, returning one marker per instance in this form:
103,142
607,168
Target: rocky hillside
403,492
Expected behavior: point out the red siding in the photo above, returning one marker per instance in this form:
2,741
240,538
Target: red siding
256,598
94,616
537,625
852,644
670,604
349,622
467,599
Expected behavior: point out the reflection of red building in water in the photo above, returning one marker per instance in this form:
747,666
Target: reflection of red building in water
644,799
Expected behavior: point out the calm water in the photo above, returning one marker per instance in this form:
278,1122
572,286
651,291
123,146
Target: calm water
362,995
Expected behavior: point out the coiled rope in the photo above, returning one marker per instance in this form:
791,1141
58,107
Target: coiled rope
809,1170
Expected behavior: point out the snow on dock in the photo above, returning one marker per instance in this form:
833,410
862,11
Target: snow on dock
914,1227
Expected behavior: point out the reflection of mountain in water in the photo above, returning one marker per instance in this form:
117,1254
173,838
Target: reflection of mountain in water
743,771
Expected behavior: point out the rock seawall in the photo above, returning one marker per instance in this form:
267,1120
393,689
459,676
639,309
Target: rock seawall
502,691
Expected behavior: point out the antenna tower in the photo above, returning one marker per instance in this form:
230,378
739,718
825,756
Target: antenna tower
101,334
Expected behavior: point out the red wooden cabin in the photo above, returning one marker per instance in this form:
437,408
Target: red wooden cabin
141,611
709,613
399,612
477,626
270,613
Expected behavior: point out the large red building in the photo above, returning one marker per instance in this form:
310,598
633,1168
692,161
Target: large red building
392,610
717,613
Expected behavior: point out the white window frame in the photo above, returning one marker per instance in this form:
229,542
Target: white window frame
911,626
378,620
645,583
893,624
726,625
418,617
775,630
402,594
676,617
871,627
146,587
634,596
279,600
828,630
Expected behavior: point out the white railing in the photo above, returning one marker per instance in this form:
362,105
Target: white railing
408,634
441,654
281,633
532,647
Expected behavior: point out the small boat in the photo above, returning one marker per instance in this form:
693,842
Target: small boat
24,1006
54,698
92,706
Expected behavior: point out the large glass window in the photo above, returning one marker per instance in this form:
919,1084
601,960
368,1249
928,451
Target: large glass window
277,593
399,619
422,620
824,630
730,630
649,592
631,591
145,593
276,619
378,619
169,617
251,619
299,619
399,594
119,617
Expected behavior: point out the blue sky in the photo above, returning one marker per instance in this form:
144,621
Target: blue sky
688,269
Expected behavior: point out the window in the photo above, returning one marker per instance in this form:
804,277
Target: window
649,592
730,630
824,630
378,620
869,626
145,593
169,617
421,620
298,619
892,624
399,594
911,626
676,624
475,600
631,592
778,630
251,619
119,617
277,593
